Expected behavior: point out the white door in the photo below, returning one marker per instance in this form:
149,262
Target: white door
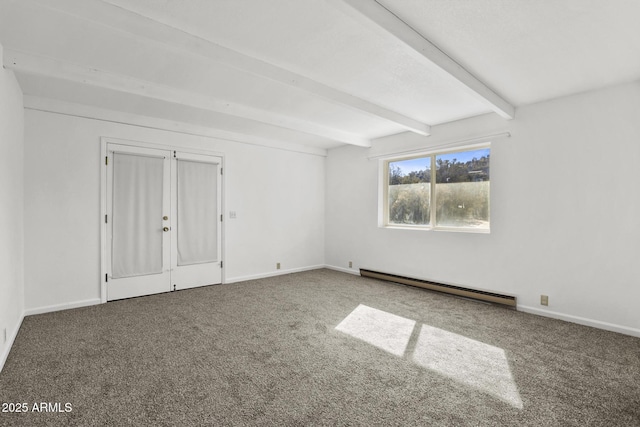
196,220
163,221
138,197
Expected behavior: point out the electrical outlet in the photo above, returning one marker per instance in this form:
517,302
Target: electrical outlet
350,264
278,266
544,300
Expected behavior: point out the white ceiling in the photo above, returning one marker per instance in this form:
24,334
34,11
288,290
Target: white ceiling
317,73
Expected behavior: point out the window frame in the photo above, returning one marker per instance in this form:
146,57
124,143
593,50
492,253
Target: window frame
383,205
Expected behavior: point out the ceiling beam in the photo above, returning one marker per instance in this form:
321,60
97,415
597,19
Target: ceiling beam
26,63
103,13
377,17
96,113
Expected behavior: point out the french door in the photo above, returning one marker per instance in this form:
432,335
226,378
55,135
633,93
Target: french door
163,220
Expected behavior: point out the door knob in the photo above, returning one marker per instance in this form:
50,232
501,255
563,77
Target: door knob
165,229
165,217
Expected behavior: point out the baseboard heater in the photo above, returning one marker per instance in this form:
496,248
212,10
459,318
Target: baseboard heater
507,300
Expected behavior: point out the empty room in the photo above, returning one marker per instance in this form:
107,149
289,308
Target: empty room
319,212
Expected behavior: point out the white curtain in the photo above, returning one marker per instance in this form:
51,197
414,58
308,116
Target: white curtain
197,212
137,215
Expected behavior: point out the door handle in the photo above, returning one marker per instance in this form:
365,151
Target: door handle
165,229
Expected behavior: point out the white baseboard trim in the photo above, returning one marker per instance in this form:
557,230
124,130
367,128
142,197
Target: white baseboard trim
581,320
59,307
10,341
271,274
353,271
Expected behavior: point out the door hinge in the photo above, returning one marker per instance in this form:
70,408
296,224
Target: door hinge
174,156
106,277
106,161
221,171
105,219
221,217
221,264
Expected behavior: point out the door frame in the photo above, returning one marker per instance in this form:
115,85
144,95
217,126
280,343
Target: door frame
104,237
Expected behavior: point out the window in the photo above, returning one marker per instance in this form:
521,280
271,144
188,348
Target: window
448,191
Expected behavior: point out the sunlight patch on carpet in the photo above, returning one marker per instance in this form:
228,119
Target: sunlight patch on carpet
470,362
384,330
475,364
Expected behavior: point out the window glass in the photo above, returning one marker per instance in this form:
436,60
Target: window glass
410,191
456,184
462,189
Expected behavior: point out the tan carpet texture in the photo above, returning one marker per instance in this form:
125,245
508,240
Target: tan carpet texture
316,348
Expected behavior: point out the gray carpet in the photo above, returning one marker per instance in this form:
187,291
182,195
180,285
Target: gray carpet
317,348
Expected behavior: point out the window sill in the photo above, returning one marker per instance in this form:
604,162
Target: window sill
446,229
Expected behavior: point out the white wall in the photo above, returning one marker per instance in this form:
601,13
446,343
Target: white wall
564,208
565,211
11,210
278,196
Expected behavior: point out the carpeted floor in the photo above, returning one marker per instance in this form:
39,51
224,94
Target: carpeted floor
317,348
